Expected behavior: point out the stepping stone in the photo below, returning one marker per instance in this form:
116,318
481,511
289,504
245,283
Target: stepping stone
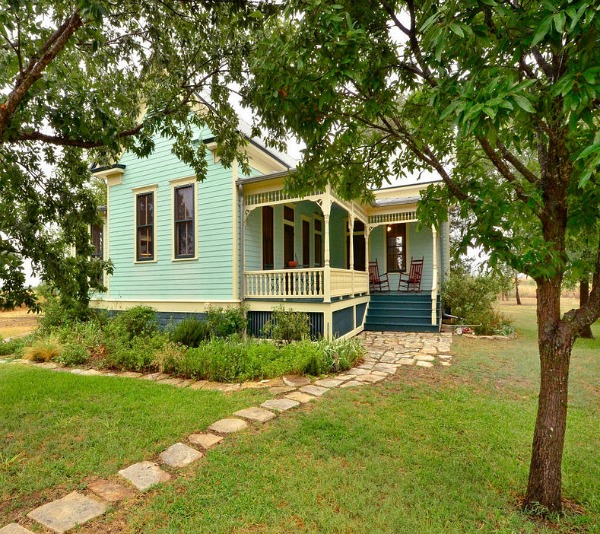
424,364
77,371
68,512
351,384
444,356
179,455
228,426
385,367
446,364
110,491
372,379
296,381
406,361
184,383
358,372
280,405
300,397
206,441
91,372
219,386
256,385
314,390
381,373
278,390
199,384
130,374
259,415
144,475
154,376
424,358
328,383
13,528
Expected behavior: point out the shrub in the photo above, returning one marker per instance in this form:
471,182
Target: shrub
139,321
43,350
136,355
287,326
167,359
13,347
73,354
87,334
191,332
226,322
471,298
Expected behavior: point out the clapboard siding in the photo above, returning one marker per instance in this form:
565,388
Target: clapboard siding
210,276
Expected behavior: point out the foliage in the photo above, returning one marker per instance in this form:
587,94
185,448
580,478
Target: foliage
137,354
43,350
287,325
12,347
471,297
74,80
191,332
226,322
73,354
139,321
231,360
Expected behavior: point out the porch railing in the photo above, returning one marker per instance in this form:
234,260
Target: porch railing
304,283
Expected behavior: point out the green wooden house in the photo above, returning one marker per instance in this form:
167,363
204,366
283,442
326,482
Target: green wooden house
180,246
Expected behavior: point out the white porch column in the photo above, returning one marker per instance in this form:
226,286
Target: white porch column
435,277
326,208
351,224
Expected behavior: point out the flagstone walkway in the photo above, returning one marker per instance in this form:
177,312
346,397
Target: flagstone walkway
386,353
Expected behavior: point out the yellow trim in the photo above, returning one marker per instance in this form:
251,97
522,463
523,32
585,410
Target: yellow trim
172,306
139,191
235,221
178,182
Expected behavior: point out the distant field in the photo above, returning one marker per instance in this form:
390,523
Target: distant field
17,323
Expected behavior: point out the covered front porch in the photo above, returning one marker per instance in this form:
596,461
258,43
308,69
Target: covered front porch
312,248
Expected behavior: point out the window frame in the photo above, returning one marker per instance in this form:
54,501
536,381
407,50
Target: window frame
176,184
138,192
402,269
186,221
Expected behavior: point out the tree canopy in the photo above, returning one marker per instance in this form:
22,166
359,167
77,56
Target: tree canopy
499,99
81,82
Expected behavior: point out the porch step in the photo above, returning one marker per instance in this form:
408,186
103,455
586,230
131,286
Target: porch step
401,312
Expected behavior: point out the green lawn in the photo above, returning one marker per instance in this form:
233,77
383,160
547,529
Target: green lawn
434,450
58,429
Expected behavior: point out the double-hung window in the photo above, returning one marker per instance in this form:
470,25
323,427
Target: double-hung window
144,226
184,222
396,247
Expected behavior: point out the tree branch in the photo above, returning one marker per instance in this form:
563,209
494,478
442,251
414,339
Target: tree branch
36,67
517,164
503,169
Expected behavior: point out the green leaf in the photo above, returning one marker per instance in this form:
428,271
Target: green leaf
457,29
542,30
523,103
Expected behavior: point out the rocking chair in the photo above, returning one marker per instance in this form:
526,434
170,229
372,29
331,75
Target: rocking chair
413,278
376,279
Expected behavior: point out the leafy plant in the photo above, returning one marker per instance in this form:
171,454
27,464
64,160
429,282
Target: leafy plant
191,332
139,321
12,347
224,322
73,354
287,325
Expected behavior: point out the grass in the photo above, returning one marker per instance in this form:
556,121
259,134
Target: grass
433,450
59,429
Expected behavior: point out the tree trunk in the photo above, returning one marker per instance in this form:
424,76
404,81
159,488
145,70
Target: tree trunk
555,340
517,296
584,291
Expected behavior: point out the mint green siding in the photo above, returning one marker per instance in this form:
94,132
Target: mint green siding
210,276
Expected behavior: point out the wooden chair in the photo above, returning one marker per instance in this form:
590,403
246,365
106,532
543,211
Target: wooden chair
376,279
413,278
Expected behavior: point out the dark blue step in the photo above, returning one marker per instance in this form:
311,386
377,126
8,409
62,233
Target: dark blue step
401,312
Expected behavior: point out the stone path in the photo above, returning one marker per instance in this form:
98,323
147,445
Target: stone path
386,353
